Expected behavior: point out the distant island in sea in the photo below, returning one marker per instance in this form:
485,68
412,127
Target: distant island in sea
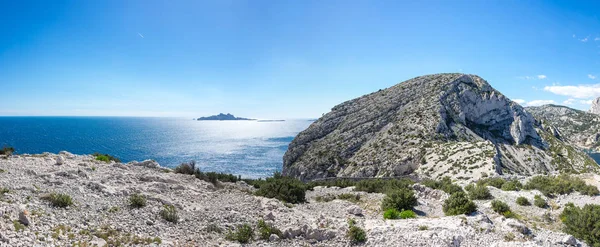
222,117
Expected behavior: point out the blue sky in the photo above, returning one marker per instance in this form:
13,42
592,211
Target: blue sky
283,59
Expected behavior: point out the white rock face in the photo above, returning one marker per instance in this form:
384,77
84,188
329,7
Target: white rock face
435,125
595,108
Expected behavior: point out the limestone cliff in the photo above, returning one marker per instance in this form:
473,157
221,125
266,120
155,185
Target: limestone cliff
595,108
433,125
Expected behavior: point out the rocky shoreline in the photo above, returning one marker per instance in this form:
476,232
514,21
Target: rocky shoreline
101,215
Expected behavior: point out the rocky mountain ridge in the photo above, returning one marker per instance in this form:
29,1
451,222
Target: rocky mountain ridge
595,108
577,127
433,125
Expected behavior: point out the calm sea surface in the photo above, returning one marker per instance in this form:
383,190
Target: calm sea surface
247,148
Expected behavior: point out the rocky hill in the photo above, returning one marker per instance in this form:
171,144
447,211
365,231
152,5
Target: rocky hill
595,108
100,211
574,126
433,125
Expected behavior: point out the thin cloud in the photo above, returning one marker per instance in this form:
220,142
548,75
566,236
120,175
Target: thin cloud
578,92
586,102
539,102
597,39
541,77
584,39
569,102
537,77
141,35
519,101
591,76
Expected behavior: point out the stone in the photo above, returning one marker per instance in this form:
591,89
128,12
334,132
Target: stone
354,210
569,240
147,163
24,217
510,224
273,238
270,216
60,160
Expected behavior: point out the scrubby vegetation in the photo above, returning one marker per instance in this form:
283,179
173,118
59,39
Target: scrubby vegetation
283,188
582,223
58,199
561,184
539,202
512,185
503,209
355,233
478,192
408,214
106,157
243,234
7,150
458,203
400,199
445,184
391,214
169,213
382,185
211,177
349,197
137,200
523,201
265,230
495,182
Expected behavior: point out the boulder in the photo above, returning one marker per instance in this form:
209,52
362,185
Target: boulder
354,210
569,240
147,164
60,160
25,218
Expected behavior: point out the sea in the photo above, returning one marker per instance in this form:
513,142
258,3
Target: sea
251,149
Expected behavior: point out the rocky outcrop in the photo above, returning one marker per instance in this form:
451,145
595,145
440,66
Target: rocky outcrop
595,108
433,125
580,128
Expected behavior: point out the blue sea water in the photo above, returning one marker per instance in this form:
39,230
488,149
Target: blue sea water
248,148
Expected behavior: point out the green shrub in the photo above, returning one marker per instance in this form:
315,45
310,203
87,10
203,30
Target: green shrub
283,188
169,213
243,234
137,200
265,230
408,214
523,201
500,207
391,214
495,182
355,233
423,228
539,202
445,184
7,150
582,223
561,184
458,203
399,199
512,185
187,168
349,197
58,200
382,185
106,157
479,192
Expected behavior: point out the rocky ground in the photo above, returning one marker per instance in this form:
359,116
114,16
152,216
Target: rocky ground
101,214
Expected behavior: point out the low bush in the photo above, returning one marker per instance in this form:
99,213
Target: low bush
561,184
283,188
355,233
478,192
582,223
7,150
391,214
445,184
243,234
349,197
106,157
211,177
408,214
512,185
187,168
58,200
500,207
265,230
169,213
399,199
458,203
495,182
539,202
382,185
137,200
523,201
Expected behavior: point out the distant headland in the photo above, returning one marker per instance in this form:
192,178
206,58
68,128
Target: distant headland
222,117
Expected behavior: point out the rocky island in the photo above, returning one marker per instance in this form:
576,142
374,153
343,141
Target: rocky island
438,160
223,117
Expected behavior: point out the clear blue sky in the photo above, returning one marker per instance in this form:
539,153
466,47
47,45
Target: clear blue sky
283,59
